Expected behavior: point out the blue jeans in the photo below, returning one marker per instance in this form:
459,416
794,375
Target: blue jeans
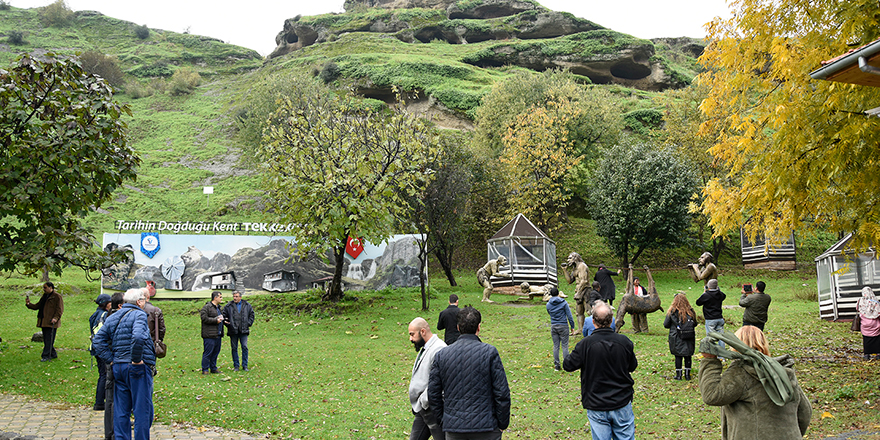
715,325
559,333
101,389
234,340
619,424
209,354
133,394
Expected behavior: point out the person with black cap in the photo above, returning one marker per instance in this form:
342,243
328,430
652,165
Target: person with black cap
96,321
712,300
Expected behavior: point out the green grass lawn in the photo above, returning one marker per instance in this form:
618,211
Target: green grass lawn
322,372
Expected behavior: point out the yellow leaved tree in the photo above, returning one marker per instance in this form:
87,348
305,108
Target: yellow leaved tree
538,155
802,155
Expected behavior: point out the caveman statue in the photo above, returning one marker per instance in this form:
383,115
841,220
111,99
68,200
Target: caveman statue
635,304
544,291
488,271
576,270
704,270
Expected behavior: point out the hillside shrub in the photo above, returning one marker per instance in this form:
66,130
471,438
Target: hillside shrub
159,85
136,90
330,72
105,66
57,14
15,37
184,81
642,121
4,6
142,32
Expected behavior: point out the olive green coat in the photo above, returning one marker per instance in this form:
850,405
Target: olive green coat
747,413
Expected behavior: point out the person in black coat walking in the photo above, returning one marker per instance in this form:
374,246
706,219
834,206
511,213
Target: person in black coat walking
448,320
468,388
603,276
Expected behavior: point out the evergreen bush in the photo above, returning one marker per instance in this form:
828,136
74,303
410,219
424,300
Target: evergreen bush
15,37
330,72
4,6
142,32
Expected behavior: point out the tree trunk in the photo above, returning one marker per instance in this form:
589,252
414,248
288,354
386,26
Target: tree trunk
446,263
718,246
335,292
423,260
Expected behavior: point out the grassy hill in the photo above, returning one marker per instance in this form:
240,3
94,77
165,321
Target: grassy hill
187,141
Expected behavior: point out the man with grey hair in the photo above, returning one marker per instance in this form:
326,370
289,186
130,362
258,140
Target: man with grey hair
124,342
606,360
239,318
427,345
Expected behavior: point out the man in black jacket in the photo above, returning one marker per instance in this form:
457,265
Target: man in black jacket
467,387
449,320
606,360
712,301
212,332
239,318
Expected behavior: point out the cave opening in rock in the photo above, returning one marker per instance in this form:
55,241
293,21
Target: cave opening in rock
628,69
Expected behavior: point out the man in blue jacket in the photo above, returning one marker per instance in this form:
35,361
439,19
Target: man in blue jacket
124,342
559,312
467,387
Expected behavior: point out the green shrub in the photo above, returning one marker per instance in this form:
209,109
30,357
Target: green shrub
330,72
142,32
642,121
15,37
4,6
106,67
184,81
137,90
159,85
57,14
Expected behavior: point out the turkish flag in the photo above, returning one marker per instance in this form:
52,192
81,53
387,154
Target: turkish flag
354,247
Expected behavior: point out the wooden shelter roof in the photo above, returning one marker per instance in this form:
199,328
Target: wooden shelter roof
520,226
845,68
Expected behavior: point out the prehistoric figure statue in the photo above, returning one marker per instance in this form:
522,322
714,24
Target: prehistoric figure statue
492,268
704,270
544,291
634,304
576,270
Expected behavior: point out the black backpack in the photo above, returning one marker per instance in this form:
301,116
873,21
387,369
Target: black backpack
686,329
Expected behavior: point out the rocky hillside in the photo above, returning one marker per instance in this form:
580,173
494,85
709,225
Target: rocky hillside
519,33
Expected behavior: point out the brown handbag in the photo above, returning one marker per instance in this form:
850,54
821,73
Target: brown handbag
159,347
856,323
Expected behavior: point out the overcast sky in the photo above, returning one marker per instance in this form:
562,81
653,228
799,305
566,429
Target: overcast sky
254,23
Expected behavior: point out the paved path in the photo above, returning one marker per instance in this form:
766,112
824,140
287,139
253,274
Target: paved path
46,420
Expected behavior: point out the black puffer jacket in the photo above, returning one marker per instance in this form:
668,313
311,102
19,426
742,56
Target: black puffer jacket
238,323
468,388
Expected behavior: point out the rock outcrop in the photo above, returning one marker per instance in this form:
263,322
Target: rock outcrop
527,34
